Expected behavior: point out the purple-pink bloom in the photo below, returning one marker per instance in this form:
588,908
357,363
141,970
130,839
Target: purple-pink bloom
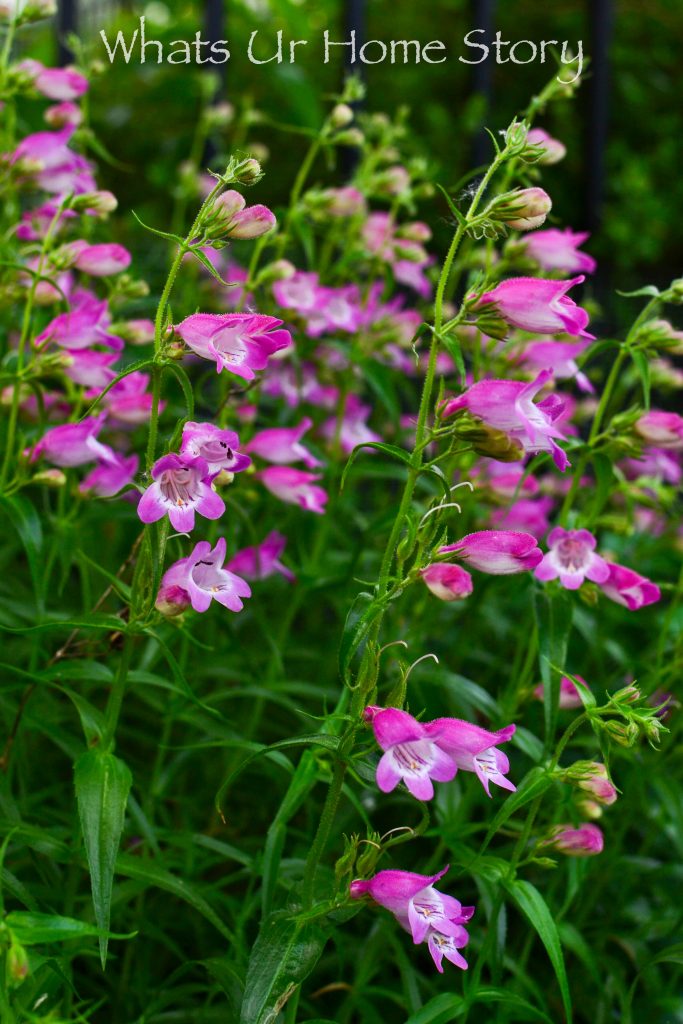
498,552
569,692
508,406
586,841
474,749
89,367
129,401
447,582
572,558
181,485
73,444
629,588
55,83
553,149
282,445
101,260
262,560
662,429
298,292
295,486
202,576
238,342
353,429
85,325
423,911
218,447
538,305
559,250
237,220
410,756
108,478
528,515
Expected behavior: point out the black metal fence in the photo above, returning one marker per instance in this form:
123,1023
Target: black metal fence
600,18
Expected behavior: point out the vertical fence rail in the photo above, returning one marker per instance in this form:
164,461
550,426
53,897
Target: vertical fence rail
67,22
483,16
601,19
355,20
214,29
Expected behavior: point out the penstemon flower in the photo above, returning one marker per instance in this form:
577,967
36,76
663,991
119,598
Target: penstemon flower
447,582
240,343
629,588
537,305
74,444
586,841
422,910
559,357
295,486
498,552
572,558
204,579
262,560
282,445
410,756
559,250
181,487
474,749
218,447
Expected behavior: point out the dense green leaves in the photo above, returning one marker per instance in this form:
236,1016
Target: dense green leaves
534,907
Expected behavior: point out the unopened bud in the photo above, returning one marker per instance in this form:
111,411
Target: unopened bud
524,209
172,601
622,733
351,137
487,440
98,202
341,116
627,695
248,172
50,478
543,149
17,964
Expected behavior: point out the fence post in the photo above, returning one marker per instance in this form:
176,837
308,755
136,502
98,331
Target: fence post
601,15
214,29
67,22
355,20
483,17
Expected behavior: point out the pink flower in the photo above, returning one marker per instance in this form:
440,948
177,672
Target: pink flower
662,429
528,208
298,292
628,588
342,202
73,444
84,326
110,477
55,83
129,401
593,779
662,465
560,358
572,557
538,305
569,693
508,406
100,260
474,749
89,367
353,429
282,445
263,560
447,582
182,485
238,342
409,755
62,114
427,914
559,250
586,841
553,149
202,576
498,552
295,486
218,447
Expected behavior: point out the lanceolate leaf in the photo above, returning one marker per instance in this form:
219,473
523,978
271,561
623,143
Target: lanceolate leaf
102,785
535,908
283,956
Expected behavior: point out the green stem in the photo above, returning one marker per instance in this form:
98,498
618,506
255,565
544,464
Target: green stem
116,695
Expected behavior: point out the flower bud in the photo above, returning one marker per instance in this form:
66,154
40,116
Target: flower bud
351,137
220,115
98,202
345,864
586,841
524,209
627,695
172,601
367,860
592,778
341,116
543,149
486,440
248,172
516,136
50,478
17,964
447,582
589,808
623,734
61,114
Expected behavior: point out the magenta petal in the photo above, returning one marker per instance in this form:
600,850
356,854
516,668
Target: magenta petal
443,767
420,786
392,726
387,775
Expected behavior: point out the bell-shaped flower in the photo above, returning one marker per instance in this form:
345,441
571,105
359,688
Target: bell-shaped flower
86,324
352,429
55,83
474,749
538,305
410,756
295,486
74,444
662,429
572,558
552,150
528,515
218,447
129,401
447,582
629,588
99,260
421,909
586,841
299,291
89,367
569,692
181,486
237,342
109,477
508,406
202,576
262,560
497,552
282,445
559,250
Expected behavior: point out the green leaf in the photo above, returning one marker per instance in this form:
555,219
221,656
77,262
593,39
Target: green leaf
25,519
155,231
185,384
512,1002
283,956
648,290
141,364
31,929
604,477
535,908
102,784
642,365
554,612
452,207
389,449
439,1010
